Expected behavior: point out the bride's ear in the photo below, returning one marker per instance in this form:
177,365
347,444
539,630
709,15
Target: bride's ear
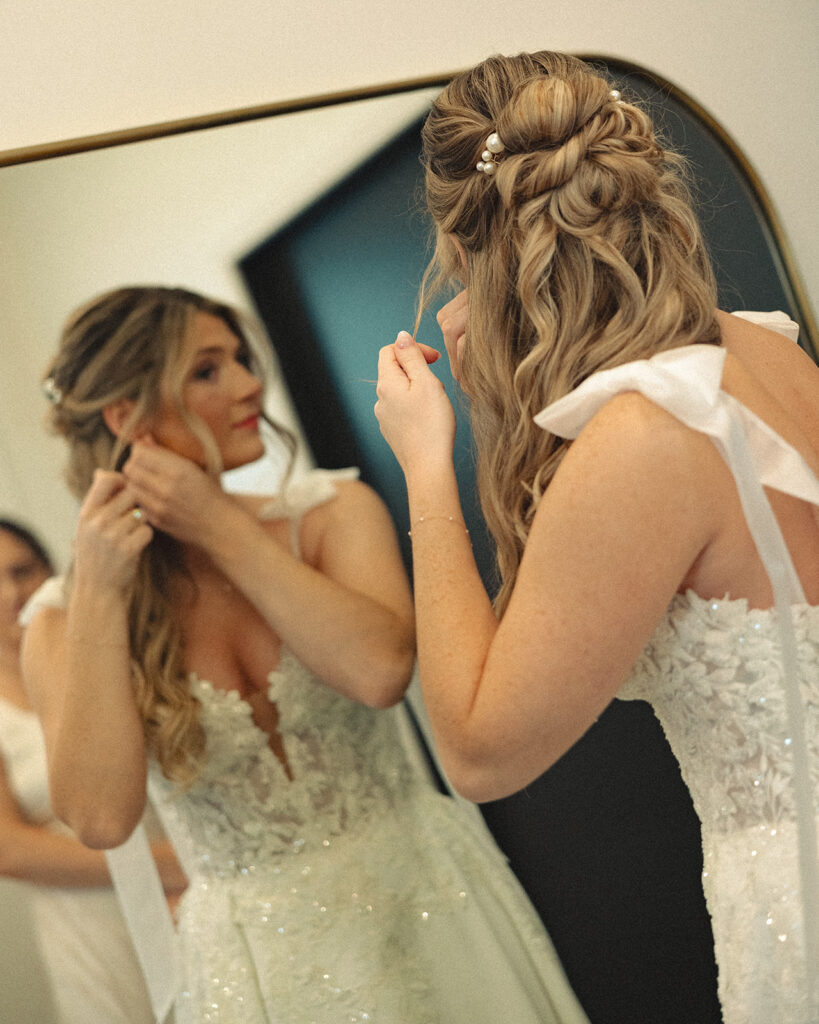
118,414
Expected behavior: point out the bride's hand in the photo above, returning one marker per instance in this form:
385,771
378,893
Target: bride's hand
452,320
111,533
177,496
413,411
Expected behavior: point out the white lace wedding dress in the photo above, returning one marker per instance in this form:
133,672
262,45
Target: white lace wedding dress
720,676
344,888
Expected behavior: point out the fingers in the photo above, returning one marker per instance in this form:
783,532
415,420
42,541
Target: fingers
410,355
432,355
112,530
455,308
452,319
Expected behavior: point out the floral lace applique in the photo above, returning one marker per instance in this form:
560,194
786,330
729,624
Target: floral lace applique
713,674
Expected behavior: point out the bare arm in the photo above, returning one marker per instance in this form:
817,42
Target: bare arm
33,853
606,552
345,611
77,669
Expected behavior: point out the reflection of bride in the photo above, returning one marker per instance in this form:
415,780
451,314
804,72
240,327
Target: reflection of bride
81,937
265,640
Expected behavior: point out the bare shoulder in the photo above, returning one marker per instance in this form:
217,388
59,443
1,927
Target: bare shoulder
47,626
355,508
633,432
634,463
352,497
773,376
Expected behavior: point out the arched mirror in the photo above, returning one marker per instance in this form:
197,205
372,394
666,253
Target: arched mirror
252,206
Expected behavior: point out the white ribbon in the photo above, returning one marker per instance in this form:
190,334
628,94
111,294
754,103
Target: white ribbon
145,909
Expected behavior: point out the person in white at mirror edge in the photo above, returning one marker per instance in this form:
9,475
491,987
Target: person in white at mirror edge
90,964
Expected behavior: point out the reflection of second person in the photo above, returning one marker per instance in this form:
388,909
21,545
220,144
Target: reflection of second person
244,653
86,951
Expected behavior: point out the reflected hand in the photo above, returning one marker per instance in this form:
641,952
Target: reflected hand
452,320
413,411
176,495
110,537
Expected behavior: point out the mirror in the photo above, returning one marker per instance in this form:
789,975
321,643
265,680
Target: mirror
185,209
178,210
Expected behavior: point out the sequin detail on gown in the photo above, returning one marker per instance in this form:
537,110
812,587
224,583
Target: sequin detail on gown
712,673
347,893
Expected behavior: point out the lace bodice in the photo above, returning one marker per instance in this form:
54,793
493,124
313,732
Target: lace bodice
713,673
344,762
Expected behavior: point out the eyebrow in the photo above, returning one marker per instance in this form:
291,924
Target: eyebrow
211,350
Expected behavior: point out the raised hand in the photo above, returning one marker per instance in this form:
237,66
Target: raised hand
176,495
452,320
413,411
111,532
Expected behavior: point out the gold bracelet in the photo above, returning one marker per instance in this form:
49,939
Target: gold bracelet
426,519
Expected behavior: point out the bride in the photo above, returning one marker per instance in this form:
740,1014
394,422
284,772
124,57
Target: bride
243,657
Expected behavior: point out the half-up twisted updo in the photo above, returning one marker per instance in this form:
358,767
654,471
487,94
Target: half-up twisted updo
582,252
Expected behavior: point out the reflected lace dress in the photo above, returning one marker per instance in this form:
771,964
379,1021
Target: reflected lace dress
84,945
713,672
346,889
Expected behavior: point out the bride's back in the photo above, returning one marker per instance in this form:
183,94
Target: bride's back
779,383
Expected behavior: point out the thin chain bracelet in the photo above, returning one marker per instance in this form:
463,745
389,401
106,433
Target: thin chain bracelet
447,519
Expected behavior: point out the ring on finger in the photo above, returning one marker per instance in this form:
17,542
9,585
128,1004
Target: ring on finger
138,514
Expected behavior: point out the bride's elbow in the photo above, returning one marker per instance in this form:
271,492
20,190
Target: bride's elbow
98,824
388,680
485,775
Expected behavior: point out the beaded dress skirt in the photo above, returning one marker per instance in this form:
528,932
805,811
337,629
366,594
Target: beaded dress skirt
344,887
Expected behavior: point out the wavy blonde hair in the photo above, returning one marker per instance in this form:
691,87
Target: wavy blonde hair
128,343
582,252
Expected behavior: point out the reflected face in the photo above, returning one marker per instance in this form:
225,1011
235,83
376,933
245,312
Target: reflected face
21,572
218,389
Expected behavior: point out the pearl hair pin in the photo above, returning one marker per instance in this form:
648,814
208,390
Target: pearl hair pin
490,156
51,391
615,96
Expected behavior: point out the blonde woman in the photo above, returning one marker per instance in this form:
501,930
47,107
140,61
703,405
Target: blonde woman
647,465
244,655
85,949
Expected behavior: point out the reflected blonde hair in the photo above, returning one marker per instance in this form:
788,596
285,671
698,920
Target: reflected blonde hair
582,252
128,344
